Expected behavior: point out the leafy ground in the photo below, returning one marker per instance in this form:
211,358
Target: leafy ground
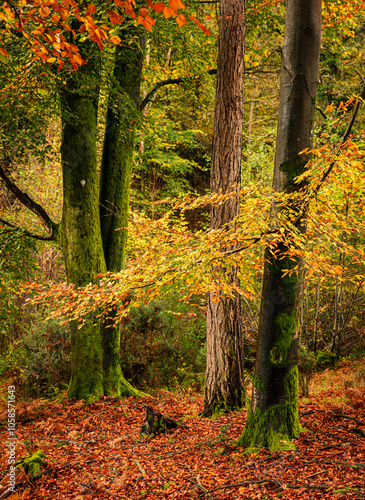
95,451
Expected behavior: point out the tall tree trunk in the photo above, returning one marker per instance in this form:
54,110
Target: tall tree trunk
115,178
79,233
224,382
273,418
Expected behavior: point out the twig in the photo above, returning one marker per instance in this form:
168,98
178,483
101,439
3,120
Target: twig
140,468
327,172
199,483
333,414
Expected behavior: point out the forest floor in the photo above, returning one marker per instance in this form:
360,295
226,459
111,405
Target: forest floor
96,452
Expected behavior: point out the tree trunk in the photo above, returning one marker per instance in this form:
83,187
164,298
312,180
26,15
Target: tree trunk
115,178
224,382
79,234
273,418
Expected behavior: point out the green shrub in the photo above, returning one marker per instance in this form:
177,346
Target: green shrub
325,360
164,349
17,264
42,358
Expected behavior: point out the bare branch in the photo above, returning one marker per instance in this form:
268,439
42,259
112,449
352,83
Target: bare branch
28,202
28,233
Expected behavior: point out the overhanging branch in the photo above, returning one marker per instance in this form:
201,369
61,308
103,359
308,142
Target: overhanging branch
327,172
180,81
27,233
33,206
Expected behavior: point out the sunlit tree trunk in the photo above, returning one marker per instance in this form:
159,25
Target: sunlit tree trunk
224,382
273,418
116,169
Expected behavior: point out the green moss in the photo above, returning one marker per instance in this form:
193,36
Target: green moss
285,324
87,362
258,383
279,424
32,463
293,169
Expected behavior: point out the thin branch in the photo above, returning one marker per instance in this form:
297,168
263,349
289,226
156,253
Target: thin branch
28,202
180,81
163,83
327,172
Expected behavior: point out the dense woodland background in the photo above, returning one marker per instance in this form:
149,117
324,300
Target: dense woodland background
163,341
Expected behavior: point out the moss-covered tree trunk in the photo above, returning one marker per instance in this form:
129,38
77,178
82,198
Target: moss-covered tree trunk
80,235
273,418
224,382
116,170
93,234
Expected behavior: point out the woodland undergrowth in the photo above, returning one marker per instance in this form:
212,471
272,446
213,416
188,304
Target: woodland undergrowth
96,452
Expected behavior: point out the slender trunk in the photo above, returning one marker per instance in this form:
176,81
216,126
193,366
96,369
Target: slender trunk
115,178
315,327
249,140
273,418
79,234
224,382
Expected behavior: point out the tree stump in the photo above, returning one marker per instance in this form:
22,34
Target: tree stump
156,423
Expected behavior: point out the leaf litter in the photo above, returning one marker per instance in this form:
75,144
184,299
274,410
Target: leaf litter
95,451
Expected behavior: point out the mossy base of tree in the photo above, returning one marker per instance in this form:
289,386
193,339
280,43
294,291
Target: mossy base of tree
87,362
220,407
120,387
273,429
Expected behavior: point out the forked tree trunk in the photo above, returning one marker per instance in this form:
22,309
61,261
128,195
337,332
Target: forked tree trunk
116,170
224,382
273,418
79,233
90,238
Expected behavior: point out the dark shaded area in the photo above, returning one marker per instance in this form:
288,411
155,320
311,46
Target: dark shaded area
156,423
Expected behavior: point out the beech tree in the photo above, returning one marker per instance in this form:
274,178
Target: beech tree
98,245
224,382
92,232
273,417
88,233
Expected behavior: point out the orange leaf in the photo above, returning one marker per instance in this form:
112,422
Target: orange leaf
181,20
173,5
115,39
4,53
158,7
44,11
168,12
91,9
144,12
201,26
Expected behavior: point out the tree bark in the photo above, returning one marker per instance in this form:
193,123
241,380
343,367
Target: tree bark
273,418
79,233
116,170
224,382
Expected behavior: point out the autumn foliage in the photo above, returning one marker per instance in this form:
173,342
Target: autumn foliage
45,24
